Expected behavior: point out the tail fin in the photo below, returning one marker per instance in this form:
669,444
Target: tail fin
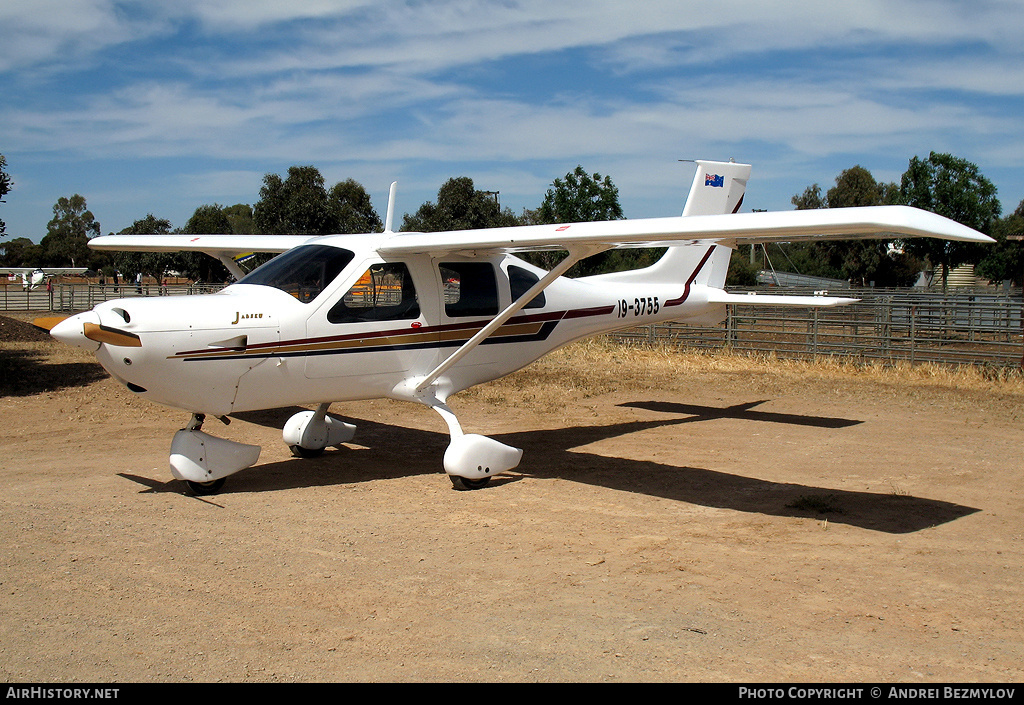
717,189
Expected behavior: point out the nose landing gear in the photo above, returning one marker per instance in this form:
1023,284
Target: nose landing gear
203,461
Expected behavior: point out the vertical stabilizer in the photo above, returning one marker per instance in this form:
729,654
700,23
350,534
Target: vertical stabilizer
717,188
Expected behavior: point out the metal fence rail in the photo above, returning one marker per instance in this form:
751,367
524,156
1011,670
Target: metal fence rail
81,297
977,328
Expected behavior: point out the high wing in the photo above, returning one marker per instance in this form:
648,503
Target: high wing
221,247
876,222
214,245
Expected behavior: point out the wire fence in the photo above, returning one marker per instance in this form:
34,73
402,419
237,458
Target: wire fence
969,327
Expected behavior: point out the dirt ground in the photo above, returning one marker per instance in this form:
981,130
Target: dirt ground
667,523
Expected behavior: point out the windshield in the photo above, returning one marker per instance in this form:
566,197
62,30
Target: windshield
302,272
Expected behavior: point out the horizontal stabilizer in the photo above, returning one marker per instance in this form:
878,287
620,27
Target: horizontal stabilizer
717,296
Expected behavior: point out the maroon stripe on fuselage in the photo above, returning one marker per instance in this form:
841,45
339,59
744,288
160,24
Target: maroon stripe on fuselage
424,331
693,277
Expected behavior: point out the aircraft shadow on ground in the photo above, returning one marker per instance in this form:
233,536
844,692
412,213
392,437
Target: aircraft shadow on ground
27,372
739,411
385,451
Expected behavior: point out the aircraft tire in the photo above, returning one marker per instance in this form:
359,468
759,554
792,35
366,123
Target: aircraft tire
464,483
205,488
300,452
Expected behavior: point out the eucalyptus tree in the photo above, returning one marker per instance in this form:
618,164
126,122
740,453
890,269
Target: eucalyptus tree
954,188
68,232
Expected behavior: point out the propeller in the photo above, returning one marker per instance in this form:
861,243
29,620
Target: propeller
48,322
112,336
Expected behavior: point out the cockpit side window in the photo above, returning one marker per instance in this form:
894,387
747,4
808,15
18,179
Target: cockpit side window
385,292
302,272
470,289
520,280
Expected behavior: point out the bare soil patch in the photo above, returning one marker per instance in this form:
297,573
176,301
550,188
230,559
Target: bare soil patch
675,518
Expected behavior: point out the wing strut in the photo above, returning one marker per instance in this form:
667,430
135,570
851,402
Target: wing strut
575,255
229,262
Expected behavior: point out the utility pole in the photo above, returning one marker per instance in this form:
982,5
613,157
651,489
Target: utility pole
1020,237
753,247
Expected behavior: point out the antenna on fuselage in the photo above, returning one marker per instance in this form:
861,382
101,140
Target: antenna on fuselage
389,220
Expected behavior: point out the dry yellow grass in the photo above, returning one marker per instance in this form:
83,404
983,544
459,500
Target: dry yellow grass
599,365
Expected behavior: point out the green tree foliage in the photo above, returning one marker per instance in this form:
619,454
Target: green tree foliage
5,188
860,262
301,205
954,188
21,252
856,187
240,218
206,220
810,199
68,233
295,205
460,206
581,197
352,210
864,261
741,271
1005,260
152,264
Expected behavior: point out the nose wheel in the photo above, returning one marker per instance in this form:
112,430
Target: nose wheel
203,461
465,483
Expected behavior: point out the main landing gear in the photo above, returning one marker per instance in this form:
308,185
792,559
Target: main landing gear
309,433
471,460
203,461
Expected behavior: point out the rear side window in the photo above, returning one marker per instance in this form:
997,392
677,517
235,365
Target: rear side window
470,289
385,292
520,280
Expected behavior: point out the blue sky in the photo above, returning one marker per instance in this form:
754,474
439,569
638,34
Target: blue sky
160,107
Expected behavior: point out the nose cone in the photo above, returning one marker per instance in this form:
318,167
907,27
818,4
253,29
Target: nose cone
71,331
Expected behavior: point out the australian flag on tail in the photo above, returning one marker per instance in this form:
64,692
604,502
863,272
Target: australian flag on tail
715,180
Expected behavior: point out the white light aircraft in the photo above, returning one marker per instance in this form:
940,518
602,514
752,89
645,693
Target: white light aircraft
34,277
420,316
